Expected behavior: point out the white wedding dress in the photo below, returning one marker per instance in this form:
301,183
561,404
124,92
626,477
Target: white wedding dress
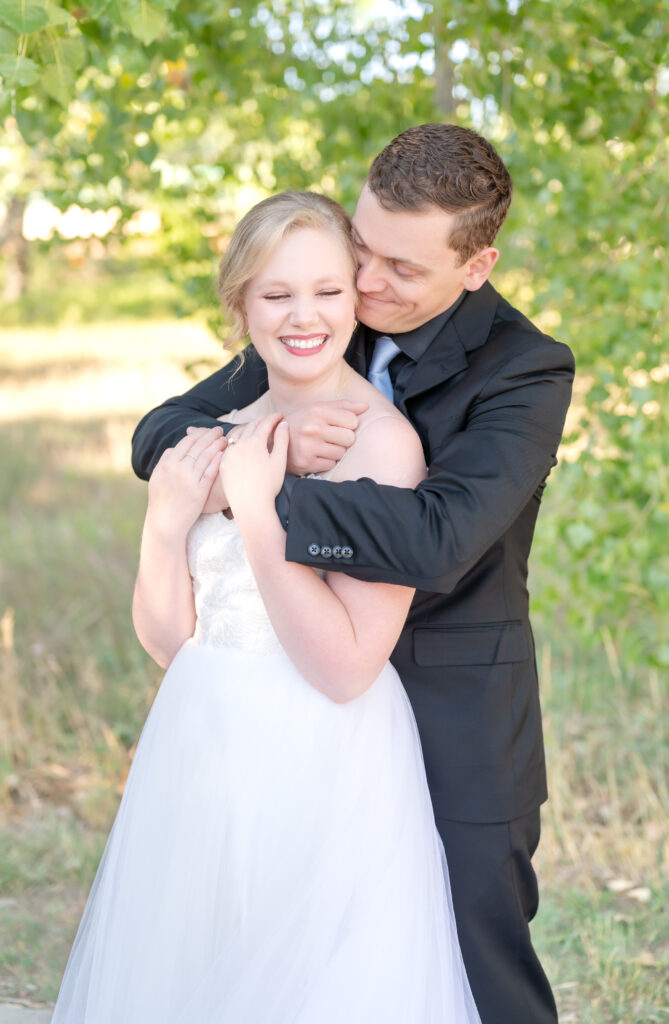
274,859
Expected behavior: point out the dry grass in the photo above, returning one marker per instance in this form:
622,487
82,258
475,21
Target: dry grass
75,687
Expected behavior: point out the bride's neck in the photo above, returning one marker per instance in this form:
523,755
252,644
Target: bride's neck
286,396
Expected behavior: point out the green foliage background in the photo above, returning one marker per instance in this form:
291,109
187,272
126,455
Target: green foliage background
199,108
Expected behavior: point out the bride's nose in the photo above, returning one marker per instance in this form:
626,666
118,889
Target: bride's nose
304,312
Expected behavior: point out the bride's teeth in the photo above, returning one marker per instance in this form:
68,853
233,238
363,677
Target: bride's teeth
303,343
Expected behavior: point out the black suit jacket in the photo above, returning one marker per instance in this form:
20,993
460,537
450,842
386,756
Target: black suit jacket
489,399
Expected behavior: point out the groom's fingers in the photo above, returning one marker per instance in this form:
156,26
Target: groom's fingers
343,437
335,418
332,452
343,403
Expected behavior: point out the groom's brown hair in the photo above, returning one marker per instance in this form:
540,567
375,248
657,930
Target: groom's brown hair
453,168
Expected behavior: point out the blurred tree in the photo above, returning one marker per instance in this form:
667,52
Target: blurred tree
199,108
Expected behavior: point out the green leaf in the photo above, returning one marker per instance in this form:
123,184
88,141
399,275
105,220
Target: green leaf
67,51
145,22
579,535
71,52
56,14
18,70
22,16
97,7
56,80
114,11
8,40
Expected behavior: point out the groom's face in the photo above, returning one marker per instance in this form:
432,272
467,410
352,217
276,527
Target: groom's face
407,271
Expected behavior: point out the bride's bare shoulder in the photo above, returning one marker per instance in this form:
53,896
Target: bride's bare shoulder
387,449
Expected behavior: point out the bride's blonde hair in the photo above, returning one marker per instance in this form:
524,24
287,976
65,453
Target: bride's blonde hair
260,231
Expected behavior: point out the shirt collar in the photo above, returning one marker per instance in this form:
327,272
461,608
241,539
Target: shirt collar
415,343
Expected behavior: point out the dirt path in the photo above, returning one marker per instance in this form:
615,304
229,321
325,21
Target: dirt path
11,1013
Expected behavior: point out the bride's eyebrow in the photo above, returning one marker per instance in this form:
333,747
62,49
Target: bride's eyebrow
319,283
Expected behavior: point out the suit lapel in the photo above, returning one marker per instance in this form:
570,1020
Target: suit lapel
465,331
444,358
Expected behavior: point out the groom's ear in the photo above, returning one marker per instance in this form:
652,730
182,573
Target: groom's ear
479,267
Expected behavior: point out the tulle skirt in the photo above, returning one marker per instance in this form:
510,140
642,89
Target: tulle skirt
274,861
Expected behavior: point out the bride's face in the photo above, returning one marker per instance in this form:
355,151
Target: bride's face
300,306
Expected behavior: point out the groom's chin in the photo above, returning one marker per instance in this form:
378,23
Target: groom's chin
380,316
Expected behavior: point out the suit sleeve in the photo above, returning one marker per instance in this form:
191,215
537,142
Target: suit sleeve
238,384
478,483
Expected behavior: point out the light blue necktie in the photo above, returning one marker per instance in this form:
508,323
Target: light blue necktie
378,374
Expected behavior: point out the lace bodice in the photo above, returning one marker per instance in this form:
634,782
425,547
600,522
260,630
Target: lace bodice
230,610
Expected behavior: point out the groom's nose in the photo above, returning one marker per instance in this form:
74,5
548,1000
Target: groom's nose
370,277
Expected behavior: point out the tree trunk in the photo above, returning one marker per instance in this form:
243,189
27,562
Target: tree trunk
14,251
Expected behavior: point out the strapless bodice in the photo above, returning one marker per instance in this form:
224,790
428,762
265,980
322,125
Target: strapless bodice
230,611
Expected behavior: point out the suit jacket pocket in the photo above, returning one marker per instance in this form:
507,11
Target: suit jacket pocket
481,644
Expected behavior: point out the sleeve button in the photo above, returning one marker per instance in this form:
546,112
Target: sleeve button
314,550
326,552
347,552
336,551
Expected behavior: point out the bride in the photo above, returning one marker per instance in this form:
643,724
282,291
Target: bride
274,859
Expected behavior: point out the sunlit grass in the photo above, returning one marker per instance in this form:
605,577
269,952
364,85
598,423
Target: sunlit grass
106,370
75,687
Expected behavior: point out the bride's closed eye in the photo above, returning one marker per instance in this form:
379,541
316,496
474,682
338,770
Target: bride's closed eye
275,296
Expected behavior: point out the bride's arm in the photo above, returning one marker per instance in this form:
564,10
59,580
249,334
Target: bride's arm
340,632
163,607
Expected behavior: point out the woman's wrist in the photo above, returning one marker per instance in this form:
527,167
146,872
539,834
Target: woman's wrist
165,528
257,519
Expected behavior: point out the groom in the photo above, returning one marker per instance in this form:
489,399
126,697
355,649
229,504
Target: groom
488,394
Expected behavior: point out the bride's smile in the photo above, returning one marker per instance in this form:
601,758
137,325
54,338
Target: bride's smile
307,344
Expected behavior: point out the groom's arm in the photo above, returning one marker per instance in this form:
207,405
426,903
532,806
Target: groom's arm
478,484
235,386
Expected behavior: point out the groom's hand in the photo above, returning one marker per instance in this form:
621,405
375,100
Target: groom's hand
320,434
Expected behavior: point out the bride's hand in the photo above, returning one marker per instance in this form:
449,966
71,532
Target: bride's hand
181,481
254,466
